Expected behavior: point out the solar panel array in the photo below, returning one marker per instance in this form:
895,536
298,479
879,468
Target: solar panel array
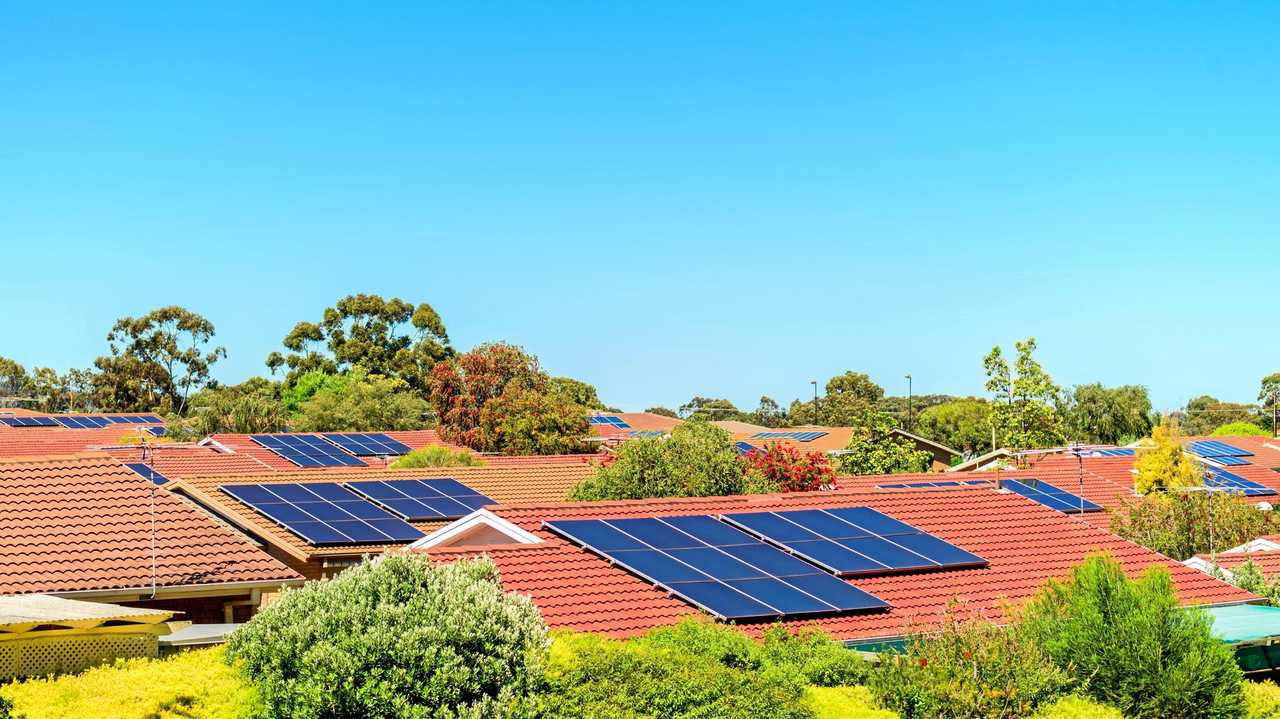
29,421
324,513
306,450
1050,496
797,436
711,565
608,419
146,472
852,541
949,483
82,421
1226,481
155,431
1109,452
135,419
1220,452
372,444
646,433
423,499
745,448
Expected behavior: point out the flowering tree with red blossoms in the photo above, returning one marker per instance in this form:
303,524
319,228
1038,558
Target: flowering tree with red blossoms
792,470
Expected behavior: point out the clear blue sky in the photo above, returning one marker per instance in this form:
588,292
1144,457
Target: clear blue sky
660,198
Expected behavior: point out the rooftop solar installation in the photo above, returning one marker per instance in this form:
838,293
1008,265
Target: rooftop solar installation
1229,461
373,444
146,472
1050,496
646,433
1226,481
609,419
82,421
29,421
423,499
713,566
1109,452
135,419
306,450
745,448
948,483
807,436
155,431
1214,448
323,513
853,541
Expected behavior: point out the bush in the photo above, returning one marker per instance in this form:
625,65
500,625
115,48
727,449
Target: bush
1165,466
1240,429
191,685
697,460
590,676
783,468
845,703
1074,707
1261,700
970,668
1249,577
1177,526
1130,644
395,637
436,455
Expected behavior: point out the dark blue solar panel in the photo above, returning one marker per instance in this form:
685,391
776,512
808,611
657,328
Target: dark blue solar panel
1110,452
855,540
1050,496
1230,461
323,513
374,444
29,421
744,448
422,499
1234,483
306,450
713,566
147,472
1214,449
156,431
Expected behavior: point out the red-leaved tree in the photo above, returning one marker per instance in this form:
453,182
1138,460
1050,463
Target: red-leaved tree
792,470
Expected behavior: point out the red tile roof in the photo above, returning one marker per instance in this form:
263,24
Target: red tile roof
1024,542
1268,562
46,441
84,523
242,444
186,460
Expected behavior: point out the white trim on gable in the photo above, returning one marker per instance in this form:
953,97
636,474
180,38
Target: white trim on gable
481,519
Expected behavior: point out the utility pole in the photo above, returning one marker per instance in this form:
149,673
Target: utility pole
1274,434
909,403
814,382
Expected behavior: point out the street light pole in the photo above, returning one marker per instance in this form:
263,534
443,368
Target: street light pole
909,427
814,382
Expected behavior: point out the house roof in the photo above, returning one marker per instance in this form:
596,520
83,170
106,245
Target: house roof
638,421
1025,544
244,444
185,460
1267,561
84,523
48,441
835,439
504,483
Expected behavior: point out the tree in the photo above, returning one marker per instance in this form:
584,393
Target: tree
1131,644
962,424
528,421
663,412
395,638
1205,413
362,402
14,381
156,361
388,337
576,392
697,460
768,414
436,455
898,405
1268,395
252,407
1102,415
848,397
875,449
1165,466
1240,429
1181,525
1023,412
70,392
709,409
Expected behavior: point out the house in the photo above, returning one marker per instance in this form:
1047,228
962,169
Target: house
1263,551
87,527
230,498
1008,546
835,440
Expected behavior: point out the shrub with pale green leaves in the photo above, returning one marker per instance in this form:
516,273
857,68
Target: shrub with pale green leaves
1261,700
846,703
395,638
1074,707
436,455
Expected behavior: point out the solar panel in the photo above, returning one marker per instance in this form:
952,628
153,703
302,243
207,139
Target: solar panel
850,541
1110,452
306,450
1214,449
806,436
947,483
422,499
1221,479
82,421
1050,496
745,448
715,567
1229,461
646,433
146,472
155,431
324,513
29,421
374,444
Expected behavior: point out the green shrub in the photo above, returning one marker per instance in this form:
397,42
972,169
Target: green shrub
1240,429
1261,700
590,676
1131,645
1074,707
191,685
845,703
395,637
970,668
697,460
436,455
1175,524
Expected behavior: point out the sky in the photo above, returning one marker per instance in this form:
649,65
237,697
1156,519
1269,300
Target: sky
663,199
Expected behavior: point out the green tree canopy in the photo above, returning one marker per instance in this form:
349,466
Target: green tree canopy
14,381
663,412
962,424
156,361
1206,413
388,337
768,413
251,407
1024,411
362,402
875,449
709,409
1240,429
848,397
697,460
1103,415
576,392
1269,395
